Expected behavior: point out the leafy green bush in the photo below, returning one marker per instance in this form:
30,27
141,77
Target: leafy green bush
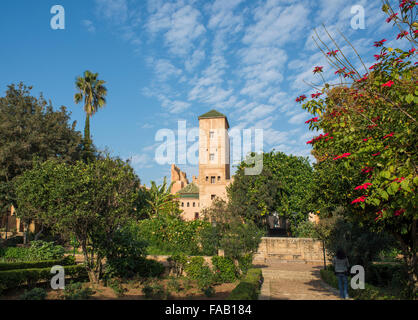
125,254
34,294
370,292
305,229
174,285
249,287
154,292
67,261
197,270
76,291
224,269
177,263
42,250
150,268
167,234
15,278
117,287
38,251
245,262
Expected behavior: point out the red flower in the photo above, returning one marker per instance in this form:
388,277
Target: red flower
399,179
399,212
375,65
339,71
365,139
378,57
410,4
300,98
359,199
342,156
362,79
317,69
332,53
388,135
376,154
388,84
379,43
310,141
316,95
349,74
363,186
312,120
367,169
372,126
402,34
391,17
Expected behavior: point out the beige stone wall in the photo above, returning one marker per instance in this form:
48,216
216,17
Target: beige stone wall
290,249
179,178
189,212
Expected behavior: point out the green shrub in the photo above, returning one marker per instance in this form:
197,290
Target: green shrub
174,285
197,270
209,292
155,292
43,250
38,251
15,278
76,291
67,261
150,268
117,287
249,287
125,254
16,254
34,294
177,263
245,262
305,229
370,292
224,269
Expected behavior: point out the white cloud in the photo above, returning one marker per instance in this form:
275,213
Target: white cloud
88,24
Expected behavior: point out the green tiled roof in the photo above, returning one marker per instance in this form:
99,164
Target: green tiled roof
213,114
189,189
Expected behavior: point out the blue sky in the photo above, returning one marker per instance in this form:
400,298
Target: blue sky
166,61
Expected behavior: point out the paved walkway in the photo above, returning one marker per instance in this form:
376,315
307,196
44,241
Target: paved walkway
294,281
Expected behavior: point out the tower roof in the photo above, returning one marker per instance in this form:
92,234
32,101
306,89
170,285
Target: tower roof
189,191
214,114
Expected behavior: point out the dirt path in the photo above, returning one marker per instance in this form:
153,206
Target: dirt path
294,281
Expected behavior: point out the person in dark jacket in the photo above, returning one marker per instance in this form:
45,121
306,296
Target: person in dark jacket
341,266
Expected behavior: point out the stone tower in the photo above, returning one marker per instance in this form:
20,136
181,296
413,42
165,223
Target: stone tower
214,157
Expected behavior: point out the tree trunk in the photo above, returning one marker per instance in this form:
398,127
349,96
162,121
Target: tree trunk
87,128
39,233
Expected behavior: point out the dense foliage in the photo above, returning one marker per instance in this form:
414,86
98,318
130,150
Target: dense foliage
30,127
367,148
90,201
283,186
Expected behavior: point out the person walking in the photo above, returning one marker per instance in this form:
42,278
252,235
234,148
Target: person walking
341,266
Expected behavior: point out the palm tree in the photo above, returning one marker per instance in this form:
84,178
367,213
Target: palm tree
161,198
93,91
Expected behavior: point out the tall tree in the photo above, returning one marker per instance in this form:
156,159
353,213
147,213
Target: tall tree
30,127
160,200
93,92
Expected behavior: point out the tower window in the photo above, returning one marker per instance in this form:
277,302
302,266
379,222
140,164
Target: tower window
182,204
188,204
211,156
194,204
196,215
211,134
207,178
212,179
219,178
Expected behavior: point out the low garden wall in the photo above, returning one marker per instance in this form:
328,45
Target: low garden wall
306,250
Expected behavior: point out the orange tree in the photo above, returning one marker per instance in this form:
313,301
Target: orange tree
369,136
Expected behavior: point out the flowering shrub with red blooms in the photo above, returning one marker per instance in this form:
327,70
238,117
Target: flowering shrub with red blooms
373,122
300,98
379,43
312,120
332,53
317,69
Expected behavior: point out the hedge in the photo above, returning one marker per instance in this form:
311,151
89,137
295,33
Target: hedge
69,260
369,292
14,278
249,287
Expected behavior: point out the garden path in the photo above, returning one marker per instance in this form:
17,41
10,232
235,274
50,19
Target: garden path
294,281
